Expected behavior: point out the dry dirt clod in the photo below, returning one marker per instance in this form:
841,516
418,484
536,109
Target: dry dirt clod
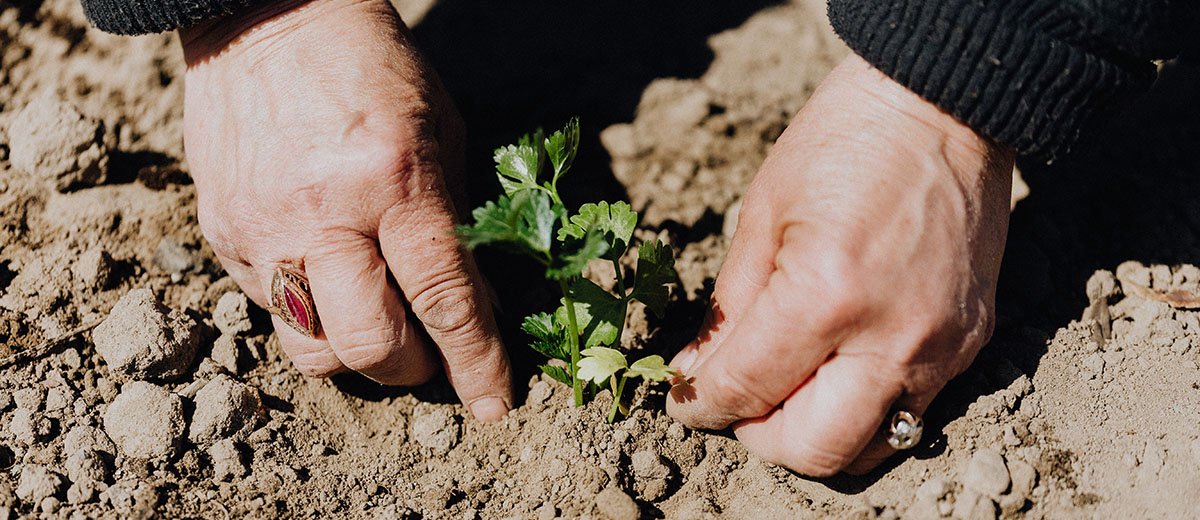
435,429
972,505
94,268
174,258
616,505
653,476
145,340
224,407
37,482
227,461
986,473
29,427
83,437
82,491
232,315
145,421
1024,478
51,140
225,352
86,464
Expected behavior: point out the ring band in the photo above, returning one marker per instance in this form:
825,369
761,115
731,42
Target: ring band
292,300
905,430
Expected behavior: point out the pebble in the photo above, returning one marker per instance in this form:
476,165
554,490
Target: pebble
227,461
145,421
58,398
616,505
540,392
225,352
146,340
933,489
232,314
986,473
94,268
653,476
50,139
436,429
224,407
37,483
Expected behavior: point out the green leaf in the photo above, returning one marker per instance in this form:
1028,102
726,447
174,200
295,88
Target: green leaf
600,363
517,166
562,146
575,255
549,336
599,315
655,269
616,221
556,373
652,368
523,223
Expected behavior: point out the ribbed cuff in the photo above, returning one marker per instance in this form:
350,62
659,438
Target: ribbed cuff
1010,82
133,17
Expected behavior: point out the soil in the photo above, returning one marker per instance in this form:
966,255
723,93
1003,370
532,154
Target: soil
1085,404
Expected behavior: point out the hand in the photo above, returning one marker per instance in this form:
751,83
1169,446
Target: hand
315,133
861,277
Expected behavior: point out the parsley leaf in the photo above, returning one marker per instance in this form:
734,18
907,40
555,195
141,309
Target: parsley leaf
517,166
599,315
570,261
655,269
556,373
523,223
600,363
549,336
562,146
616,221
652,368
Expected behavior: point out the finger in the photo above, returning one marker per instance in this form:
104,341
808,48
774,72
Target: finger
448,296
827,422
363,315
744,273
878,449
775,347
246,278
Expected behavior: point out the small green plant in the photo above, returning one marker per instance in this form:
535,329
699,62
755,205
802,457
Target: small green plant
530,219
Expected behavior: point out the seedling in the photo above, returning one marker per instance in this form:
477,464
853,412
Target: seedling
530,219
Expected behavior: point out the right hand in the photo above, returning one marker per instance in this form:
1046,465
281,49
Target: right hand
315,133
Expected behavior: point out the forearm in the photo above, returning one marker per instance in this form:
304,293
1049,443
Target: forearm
1027,73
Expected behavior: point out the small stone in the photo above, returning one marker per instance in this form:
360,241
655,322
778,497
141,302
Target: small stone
82,491
145,421
653,476
933,489
29,427
94,269
986,473
224,408
38,482
547,512
146,340
225,352
540,393
58,398
1024,478
616,505
49,504
86,464
50,139
232,315
436,429
227,460
1010,505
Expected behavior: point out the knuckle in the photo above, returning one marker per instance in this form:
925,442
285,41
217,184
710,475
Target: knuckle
447,306
316,364
731,396
366,352
807,458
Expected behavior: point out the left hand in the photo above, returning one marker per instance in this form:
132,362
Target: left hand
861,278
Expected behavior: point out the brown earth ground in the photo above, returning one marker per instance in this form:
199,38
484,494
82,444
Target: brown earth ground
1086,404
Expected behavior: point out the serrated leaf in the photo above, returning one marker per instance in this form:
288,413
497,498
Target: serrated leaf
562,146
600,363
523,223
517,166
599,315
549,336
574,256
556,373
652,368
616,221
655,270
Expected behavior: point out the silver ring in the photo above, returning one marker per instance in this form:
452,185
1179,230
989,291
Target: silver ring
905,430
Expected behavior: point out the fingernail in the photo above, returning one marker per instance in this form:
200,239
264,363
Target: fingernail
683,361
488,409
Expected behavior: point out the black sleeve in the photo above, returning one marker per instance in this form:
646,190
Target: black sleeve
151,16
1027,73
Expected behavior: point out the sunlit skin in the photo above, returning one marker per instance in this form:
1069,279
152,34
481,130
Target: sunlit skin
861,277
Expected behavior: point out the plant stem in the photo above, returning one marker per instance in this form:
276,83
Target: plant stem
573,341
620,279
617,393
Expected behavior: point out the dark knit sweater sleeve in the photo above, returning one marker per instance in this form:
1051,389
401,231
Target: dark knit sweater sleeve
151,16
1027,73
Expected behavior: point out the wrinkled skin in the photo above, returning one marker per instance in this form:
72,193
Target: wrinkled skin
315,133
861,277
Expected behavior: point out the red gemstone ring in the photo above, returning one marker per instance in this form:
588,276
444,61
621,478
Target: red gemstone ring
292,300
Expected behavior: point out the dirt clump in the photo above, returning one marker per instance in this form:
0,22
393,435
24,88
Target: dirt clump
145,421
145,340
51,140
223,408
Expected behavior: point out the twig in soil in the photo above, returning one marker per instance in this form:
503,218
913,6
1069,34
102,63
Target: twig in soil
47,347
1178,298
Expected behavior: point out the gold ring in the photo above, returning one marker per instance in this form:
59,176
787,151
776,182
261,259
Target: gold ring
291,300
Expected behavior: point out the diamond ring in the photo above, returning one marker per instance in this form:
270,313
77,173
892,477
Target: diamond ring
905,430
